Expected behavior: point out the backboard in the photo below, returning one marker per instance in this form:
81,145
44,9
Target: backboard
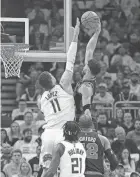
57,49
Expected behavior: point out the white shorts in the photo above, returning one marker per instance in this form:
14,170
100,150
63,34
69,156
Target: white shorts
50,138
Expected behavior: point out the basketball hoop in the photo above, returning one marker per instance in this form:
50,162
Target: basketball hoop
12,57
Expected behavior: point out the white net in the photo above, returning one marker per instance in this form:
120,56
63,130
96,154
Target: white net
12,58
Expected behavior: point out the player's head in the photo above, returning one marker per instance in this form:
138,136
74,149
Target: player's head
47,80
71,130
86,123
93,67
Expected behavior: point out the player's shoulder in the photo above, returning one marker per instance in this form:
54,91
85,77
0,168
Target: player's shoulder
60,148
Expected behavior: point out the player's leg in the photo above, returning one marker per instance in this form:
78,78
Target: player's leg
48,139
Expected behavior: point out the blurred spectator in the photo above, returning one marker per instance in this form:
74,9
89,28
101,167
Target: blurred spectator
119,117
25,170
30,94
34,163
14,134
13,168
57,30
76,13
135,174
4,137
113,45
120,171
108,81
27,145
38,12
29,122
125,94
134,85
121,58
21,85
18,113
127,5
103,95
121,142
135,134
128,163
39,35
134,43
104,124
127,122
137,61
117,85
6,155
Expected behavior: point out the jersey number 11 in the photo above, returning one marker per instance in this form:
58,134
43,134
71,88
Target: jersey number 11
55,105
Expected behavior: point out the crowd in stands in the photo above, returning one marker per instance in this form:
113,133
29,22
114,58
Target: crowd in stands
118,50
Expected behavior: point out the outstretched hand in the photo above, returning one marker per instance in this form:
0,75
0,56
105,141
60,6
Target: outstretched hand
76,31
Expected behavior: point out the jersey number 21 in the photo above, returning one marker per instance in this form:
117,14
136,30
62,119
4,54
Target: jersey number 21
76,165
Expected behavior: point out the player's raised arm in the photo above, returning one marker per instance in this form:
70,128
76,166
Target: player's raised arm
92,44
58,152
66,79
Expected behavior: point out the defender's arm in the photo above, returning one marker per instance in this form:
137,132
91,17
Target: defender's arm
66,79
92,45
110,154
59,151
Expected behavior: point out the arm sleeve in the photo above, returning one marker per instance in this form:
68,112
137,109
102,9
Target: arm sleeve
91,47
67,77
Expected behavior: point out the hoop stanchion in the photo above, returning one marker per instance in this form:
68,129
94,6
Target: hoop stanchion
12,58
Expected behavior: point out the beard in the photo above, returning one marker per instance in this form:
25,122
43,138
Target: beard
27,139
134,81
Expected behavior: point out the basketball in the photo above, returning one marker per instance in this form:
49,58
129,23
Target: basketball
90,20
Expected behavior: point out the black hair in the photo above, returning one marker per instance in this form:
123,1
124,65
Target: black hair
121,159
94,67
45,80
71,130
27,130
6,140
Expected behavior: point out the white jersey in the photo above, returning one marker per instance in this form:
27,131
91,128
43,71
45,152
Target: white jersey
72,162
58,107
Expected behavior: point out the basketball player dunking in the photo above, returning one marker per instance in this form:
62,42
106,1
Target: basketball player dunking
57,103
85,90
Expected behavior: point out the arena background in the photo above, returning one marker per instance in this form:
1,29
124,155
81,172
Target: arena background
45,25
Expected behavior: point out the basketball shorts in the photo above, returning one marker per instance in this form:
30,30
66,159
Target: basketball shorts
50,138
